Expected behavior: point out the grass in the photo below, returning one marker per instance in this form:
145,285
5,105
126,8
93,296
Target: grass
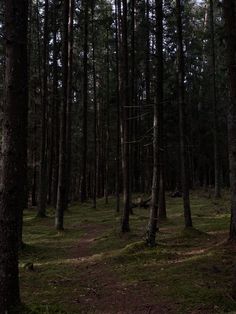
191,269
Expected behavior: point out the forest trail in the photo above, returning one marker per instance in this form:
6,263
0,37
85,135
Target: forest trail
104,291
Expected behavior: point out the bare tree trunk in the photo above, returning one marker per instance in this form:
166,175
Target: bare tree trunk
69,96
55,104
160,97
30,66
132,93
35,153
124,89
61,194
95,111
152,227
107,154
182,119
85,104
43,154
147,61
14,150
230,30
117,110
214,101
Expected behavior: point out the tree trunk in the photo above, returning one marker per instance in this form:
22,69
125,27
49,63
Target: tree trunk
117,111
14,150
69,96
182,119
152,227
160,98
214,102
85,104
42,194
107,142
61,194
124,91
95,112
230,30
55,104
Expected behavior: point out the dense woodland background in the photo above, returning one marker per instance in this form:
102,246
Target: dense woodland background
120,102
94,102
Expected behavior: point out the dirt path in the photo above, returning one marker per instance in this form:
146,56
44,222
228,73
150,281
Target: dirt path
103,290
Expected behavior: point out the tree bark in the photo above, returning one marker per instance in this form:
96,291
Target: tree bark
214,102
152,227
124,91
160,98
85,104
107,141
42,194
14,150
182,118
230,31
117,23
56,107
95,110
61,194
69,95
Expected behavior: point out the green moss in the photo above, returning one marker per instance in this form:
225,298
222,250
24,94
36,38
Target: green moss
190,268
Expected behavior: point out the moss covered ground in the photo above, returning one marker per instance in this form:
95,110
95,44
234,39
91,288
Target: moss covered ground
190,270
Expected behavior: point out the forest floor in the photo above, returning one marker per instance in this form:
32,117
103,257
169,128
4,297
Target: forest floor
93,268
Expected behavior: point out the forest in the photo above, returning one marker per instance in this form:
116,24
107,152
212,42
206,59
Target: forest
118,156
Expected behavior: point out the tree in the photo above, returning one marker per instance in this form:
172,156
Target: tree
85,102
152,227
230,31
95,108
62,180
117,84
160,109
124,91
55,104
214,102
43,157
69,95
14,149
182,117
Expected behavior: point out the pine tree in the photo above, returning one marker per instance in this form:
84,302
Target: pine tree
14,150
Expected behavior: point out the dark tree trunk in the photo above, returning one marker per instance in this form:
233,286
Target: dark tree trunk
118,111
55,104
61,194
132,92
160,100
35,144
14,150
214,102
147,61
182,118
107,142
69,95
152,227
95,111
85,104
42,194
124,91
230,30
